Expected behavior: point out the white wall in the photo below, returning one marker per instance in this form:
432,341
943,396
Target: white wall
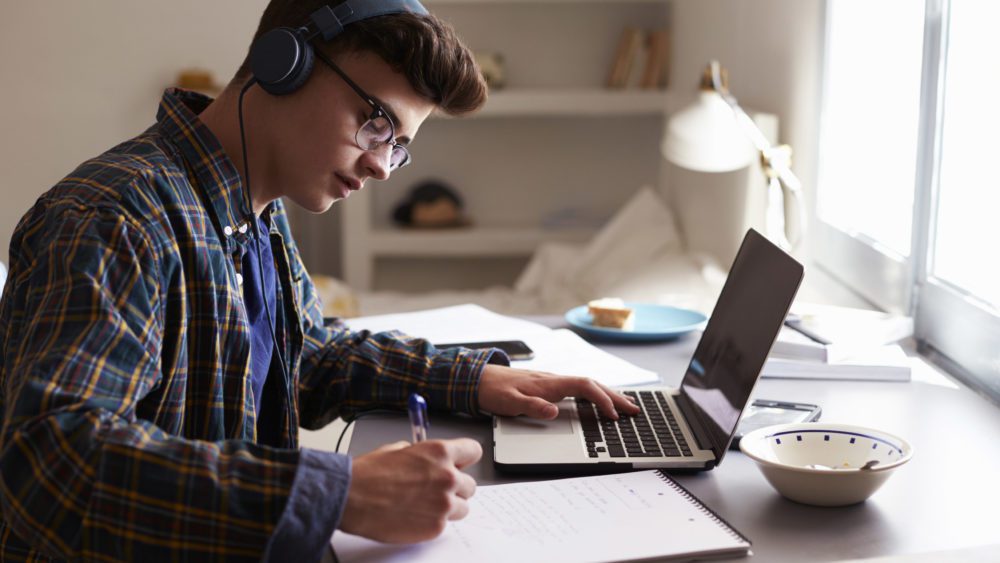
79,77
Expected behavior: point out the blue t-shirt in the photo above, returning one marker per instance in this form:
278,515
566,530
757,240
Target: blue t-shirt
258,283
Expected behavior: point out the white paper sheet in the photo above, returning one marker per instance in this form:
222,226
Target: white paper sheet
556,351
610,517
564,352
461,323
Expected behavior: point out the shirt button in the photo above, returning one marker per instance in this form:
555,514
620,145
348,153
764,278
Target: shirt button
243,229
239,279
228,231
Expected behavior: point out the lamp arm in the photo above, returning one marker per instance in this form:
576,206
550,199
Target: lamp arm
767,151
774,159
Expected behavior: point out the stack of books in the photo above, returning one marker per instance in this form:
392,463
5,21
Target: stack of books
826,342
640,60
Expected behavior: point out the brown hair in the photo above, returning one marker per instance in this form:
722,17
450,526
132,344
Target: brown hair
421,47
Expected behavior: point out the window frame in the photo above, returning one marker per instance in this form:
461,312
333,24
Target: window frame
950,326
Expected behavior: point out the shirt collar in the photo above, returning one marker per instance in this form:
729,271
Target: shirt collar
214,173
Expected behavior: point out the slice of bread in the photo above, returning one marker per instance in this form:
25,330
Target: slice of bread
611,312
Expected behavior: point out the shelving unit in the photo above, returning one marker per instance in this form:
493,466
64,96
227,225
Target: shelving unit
553,140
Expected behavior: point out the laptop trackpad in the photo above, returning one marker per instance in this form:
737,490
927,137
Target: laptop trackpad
562,424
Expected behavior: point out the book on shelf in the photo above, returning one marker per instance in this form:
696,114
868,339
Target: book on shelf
637,66
825,333
629,44
885,363
655,69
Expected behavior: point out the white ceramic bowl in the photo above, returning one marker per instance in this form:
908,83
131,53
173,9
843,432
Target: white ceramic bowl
784,453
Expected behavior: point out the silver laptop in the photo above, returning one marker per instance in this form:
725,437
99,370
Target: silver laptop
686,428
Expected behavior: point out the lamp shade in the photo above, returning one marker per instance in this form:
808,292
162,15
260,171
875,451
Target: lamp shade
706,137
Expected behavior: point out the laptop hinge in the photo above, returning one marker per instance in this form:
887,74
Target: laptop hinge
694,422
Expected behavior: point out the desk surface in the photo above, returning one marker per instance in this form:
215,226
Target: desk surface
929,504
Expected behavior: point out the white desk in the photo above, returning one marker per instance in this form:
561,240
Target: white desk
946,497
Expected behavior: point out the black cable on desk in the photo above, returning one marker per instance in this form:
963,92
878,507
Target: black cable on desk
350,420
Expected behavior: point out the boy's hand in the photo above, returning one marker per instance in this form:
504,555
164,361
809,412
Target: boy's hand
510,392
402,493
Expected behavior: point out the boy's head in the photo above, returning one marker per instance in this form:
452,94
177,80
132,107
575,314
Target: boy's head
309,146
422,48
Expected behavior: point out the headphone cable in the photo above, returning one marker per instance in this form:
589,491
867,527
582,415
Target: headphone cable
253,227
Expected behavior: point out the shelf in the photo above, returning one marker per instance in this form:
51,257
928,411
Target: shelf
476,241
575,102
553,138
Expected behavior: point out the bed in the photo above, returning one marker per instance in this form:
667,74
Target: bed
637,256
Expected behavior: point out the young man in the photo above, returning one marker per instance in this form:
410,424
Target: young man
158,358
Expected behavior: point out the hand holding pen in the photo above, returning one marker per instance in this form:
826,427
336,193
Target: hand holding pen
403,492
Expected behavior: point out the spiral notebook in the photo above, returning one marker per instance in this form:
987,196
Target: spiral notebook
617,517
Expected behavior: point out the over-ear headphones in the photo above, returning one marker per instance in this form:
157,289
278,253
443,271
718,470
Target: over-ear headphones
282,59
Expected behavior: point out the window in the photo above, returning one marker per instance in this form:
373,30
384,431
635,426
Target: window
906,193
870,118
969,189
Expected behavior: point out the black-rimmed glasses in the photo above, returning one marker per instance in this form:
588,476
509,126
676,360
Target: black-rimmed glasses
378,130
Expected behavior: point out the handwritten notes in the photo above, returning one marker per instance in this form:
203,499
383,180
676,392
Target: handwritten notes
609,517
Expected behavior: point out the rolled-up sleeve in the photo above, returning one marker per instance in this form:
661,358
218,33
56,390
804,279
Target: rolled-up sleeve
314,508
343,371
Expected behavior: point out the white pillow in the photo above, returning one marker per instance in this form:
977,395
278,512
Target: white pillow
672,278
640,231
549,268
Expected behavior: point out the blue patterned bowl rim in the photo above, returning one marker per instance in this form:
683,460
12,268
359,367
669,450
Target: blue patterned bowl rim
895,442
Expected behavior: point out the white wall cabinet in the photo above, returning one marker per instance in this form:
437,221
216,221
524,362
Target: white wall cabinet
553,140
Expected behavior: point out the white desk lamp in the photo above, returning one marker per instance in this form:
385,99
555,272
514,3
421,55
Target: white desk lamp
714,134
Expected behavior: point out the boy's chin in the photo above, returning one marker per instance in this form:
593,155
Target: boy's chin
317,206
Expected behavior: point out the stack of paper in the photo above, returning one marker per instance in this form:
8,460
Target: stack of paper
826,342
560,351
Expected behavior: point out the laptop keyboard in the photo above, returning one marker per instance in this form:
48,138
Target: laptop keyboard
654,432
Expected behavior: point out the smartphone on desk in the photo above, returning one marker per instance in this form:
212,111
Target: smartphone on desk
763,412
515,349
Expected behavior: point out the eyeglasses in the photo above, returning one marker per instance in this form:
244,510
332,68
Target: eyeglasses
378,130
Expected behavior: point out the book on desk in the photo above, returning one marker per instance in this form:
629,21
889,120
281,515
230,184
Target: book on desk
886,363
827,342
826,333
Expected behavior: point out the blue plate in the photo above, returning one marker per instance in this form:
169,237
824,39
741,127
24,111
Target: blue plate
652,322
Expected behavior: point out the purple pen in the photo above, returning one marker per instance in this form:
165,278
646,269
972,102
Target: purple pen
419,422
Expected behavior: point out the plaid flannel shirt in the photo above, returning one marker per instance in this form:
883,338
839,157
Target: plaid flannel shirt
129,429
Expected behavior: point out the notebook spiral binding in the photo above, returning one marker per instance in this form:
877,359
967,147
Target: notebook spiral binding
701,506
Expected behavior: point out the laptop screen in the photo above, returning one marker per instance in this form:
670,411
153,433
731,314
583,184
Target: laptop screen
748,315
